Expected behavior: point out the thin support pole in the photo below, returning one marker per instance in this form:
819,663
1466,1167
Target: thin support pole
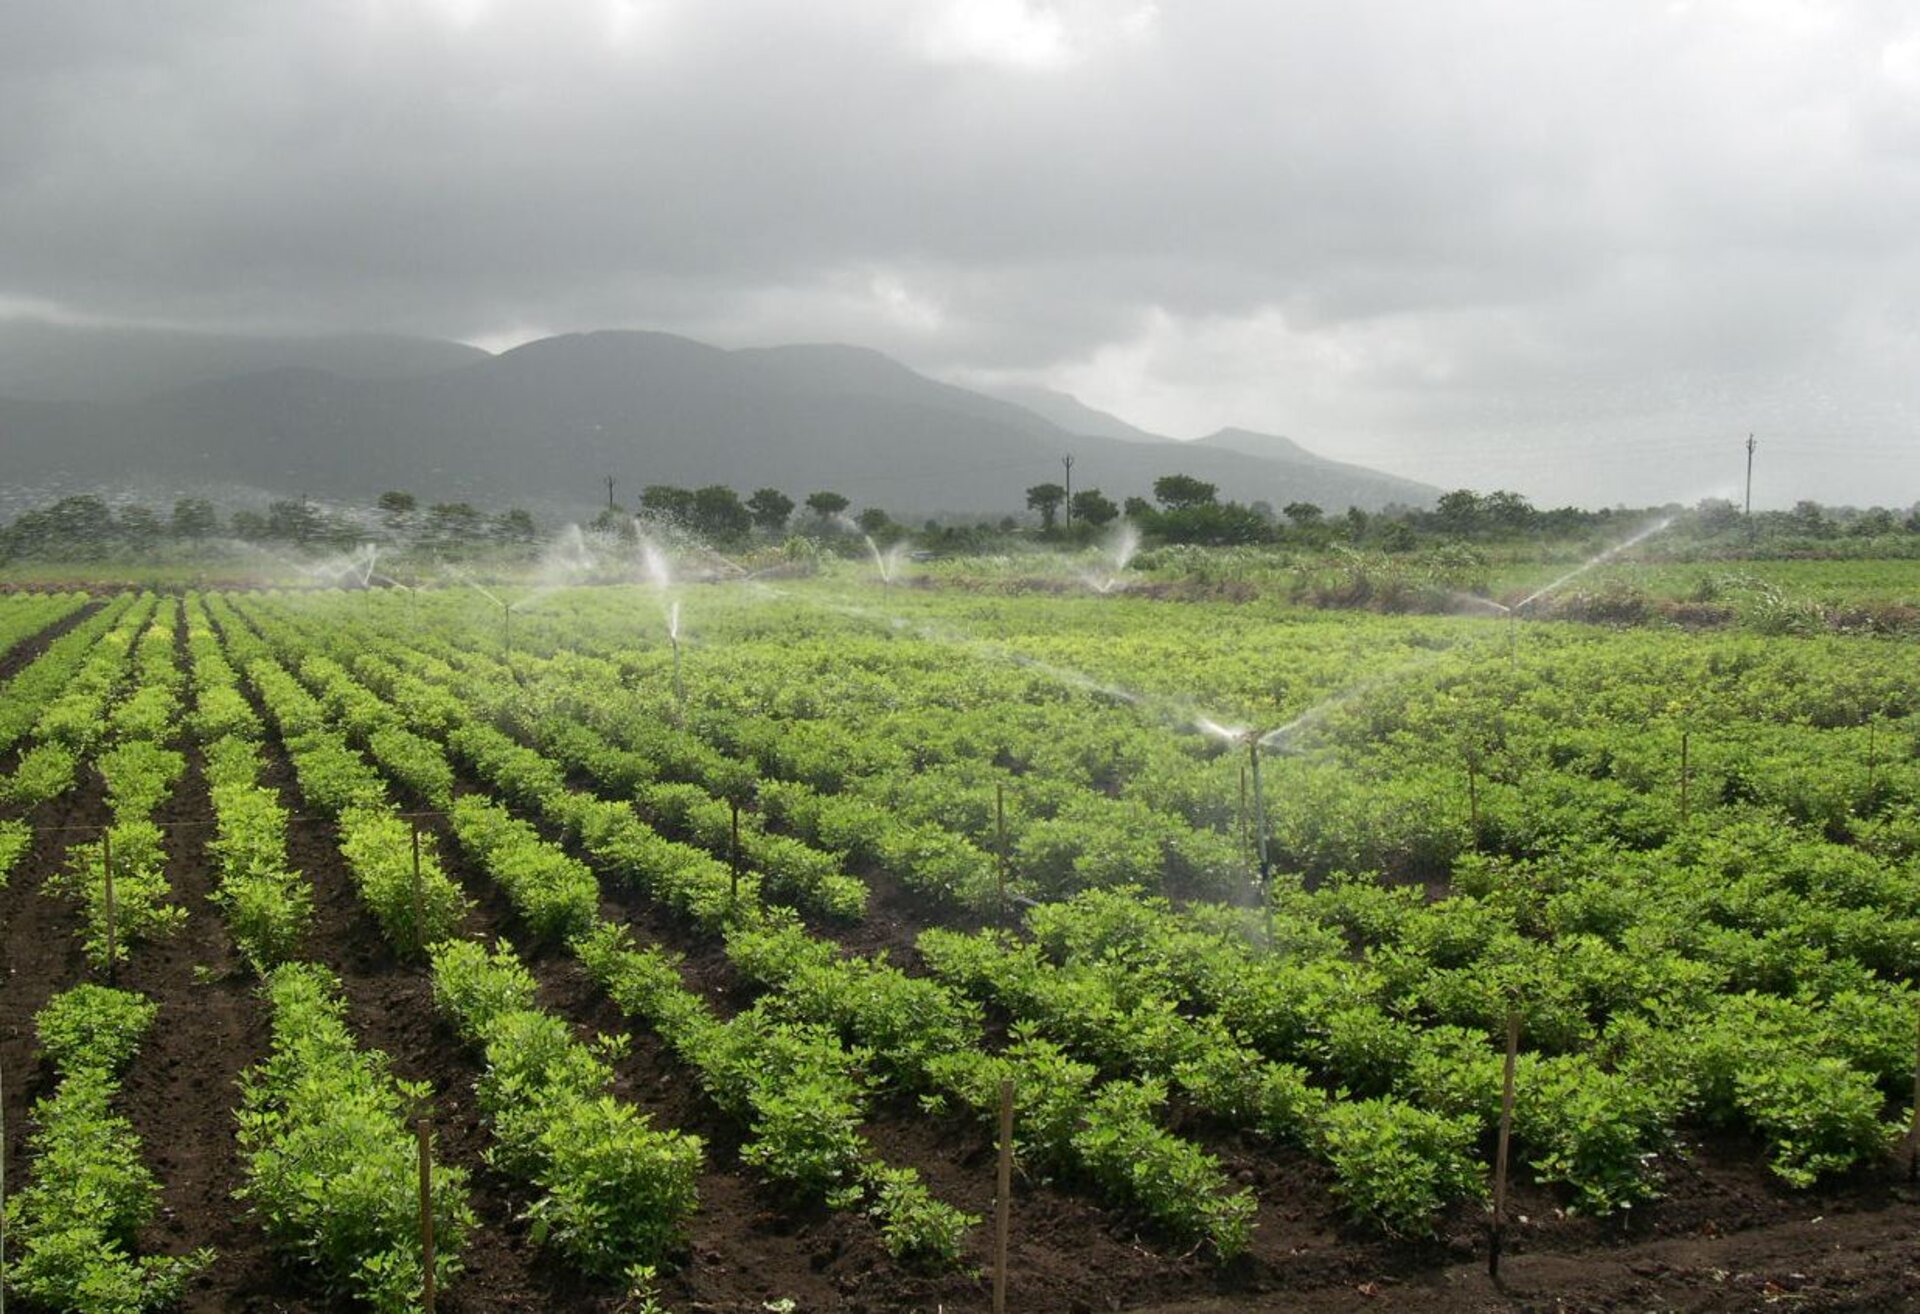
1913,1132
3,1196
419,892
1246,836
425,1136
1260,834
1473,800
733,853
1873,760
1498,1233
106,867
1686,775
1000,846
1003,1200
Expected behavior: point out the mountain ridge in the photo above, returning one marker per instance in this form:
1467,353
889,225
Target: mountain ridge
550,419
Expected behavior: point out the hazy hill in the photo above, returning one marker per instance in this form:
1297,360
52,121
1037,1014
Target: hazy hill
1070,413
41,361
549,421
1355,480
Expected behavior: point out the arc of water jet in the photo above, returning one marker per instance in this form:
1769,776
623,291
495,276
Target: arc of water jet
1591,562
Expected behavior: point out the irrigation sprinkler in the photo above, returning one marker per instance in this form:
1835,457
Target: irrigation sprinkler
1260,833
673,636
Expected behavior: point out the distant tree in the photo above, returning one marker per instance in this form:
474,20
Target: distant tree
1397,536
827,505
140,526
1303,515
1507,513
1212,523
1137,508
1093,507
295,522
770,508
516,526
397,502
454,521
874,522
1458,512
248,525
615,521
1357,521
1046,499
668,502
718,514
1717,515
1178,492
194,517
1810,518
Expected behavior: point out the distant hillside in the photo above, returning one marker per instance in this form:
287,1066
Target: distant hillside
1350,483
1070,413
40,361
549,421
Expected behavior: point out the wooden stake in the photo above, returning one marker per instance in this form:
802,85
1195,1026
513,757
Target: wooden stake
1500,1152
734,855
426,1214
1685,775
419,891
1873,760
3,1197
1913,1132
106,867
1473,800
1003,1201
1000,845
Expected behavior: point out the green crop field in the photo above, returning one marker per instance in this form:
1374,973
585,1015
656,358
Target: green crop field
699,917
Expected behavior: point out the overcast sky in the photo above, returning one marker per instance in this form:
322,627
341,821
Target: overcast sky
1575,249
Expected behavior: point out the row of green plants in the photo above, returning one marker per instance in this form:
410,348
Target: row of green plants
1106,1133
615,1194
140,772
1724,943
25,697
72,1231
50,761
796,1089
394,862
930,1043
326,1131
25,616
800,1093
268,905
785,867
328,1144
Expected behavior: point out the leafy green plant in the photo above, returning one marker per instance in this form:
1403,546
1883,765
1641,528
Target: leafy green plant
89,1193
1396,1165
326,1135
614,1192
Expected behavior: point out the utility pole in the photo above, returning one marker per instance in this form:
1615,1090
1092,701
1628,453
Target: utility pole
609,492
1067,461
1749,507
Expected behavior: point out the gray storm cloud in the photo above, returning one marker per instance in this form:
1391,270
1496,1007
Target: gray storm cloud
1576,250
